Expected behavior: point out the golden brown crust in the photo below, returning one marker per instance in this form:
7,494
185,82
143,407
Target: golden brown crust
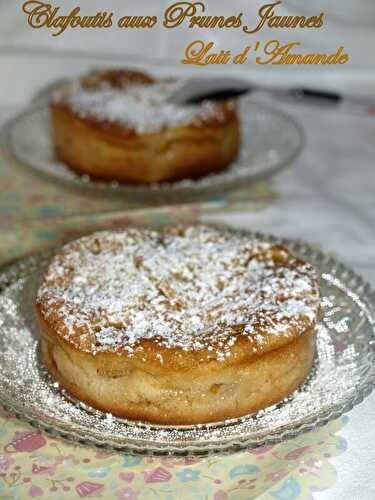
115,78
177,398
113,153
184,325
176,359
113,149
114,261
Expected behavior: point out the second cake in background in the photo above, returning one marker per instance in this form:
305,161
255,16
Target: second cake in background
118,125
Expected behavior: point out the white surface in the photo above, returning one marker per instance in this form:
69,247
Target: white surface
345,23
165,47
327,198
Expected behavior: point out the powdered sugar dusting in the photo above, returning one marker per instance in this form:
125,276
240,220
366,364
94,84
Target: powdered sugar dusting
141,107
194,288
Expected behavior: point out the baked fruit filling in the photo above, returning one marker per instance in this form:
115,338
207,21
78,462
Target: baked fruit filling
185,325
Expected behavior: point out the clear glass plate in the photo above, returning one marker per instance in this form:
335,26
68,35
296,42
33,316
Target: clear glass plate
344,372
271,140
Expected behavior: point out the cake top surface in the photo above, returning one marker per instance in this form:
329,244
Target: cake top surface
139,104
193,288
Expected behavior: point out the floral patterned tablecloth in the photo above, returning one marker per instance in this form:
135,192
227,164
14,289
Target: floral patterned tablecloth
35,465
35,214
28,195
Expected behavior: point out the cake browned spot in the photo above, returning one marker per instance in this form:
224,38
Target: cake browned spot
118,125
187,325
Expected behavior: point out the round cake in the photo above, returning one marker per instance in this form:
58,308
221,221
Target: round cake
186,325
118,125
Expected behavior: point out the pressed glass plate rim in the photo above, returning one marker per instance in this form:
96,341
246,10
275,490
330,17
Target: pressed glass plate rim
342,273
218,182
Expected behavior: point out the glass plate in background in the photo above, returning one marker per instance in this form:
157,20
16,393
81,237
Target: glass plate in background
271,140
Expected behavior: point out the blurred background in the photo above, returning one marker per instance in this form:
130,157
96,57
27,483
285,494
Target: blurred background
35,55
